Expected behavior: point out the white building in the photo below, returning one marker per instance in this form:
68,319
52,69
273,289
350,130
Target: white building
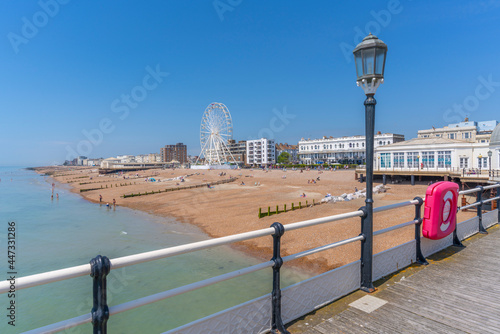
437,154
261,152
331,150
126,158
471,131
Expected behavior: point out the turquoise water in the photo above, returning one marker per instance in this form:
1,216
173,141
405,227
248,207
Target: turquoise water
53,234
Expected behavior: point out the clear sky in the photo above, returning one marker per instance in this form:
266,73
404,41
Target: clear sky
106,78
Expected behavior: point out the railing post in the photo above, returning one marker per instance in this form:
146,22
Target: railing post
482,230
418,209
100,267
366,252
276,320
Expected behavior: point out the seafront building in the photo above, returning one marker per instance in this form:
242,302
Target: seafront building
293,150
174,153
443,156
470,131
261,152
151,157
344,150
238,150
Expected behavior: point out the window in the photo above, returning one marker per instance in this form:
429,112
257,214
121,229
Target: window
380,142
428,159
399,160
451,136
357,144
363,144
385,160
464,162
444,159
466,135
411,159
482,162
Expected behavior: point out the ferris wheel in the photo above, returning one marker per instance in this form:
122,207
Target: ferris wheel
215,132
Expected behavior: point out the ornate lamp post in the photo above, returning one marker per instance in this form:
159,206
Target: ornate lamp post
369,57
489,160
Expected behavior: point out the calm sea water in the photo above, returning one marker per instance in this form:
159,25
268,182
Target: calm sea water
54,234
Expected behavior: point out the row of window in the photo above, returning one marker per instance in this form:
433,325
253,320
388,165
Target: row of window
334,146
428,159
333,155
465,135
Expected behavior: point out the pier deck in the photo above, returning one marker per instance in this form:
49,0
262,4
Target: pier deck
458,292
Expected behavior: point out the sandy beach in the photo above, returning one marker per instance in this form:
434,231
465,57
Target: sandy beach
233,207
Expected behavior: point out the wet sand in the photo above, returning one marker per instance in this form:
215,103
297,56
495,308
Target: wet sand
232,208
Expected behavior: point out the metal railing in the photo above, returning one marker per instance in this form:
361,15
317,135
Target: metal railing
100,266
464,172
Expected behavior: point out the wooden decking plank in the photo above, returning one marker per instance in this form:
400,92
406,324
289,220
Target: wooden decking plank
466,297
338,325
462,294
431,311
386,322
485,270
392,314
434,310
366,320
473,309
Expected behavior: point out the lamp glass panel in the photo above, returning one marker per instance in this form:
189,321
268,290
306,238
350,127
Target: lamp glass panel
368,61
359,64
379,61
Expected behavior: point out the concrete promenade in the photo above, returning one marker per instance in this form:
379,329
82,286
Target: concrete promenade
458,292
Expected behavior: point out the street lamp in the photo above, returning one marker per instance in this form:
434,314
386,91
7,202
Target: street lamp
480,157
489,161
369,57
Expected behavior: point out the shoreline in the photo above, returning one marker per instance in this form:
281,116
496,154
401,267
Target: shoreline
232,208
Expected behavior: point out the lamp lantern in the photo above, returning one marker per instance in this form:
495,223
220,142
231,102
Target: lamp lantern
369,57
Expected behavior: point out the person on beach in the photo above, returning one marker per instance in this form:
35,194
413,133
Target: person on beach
57,196
114,202
100,198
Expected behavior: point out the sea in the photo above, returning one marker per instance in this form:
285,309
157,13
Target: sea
55,233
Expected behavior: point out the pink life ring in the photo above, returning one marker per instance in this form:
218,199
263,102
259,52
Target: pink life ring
440,212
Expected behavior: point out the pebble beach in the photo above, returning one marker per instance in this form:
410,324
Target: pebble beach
221,208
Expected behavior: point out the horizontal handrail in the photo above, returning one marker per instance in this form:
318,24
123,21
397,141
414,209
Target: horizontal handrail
491,199
322,248
394,206
469,191
396,227
62,325
465,207
317,221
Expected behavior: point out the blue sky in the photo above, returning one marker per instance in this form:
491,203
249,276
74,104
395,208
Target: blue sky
66,68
